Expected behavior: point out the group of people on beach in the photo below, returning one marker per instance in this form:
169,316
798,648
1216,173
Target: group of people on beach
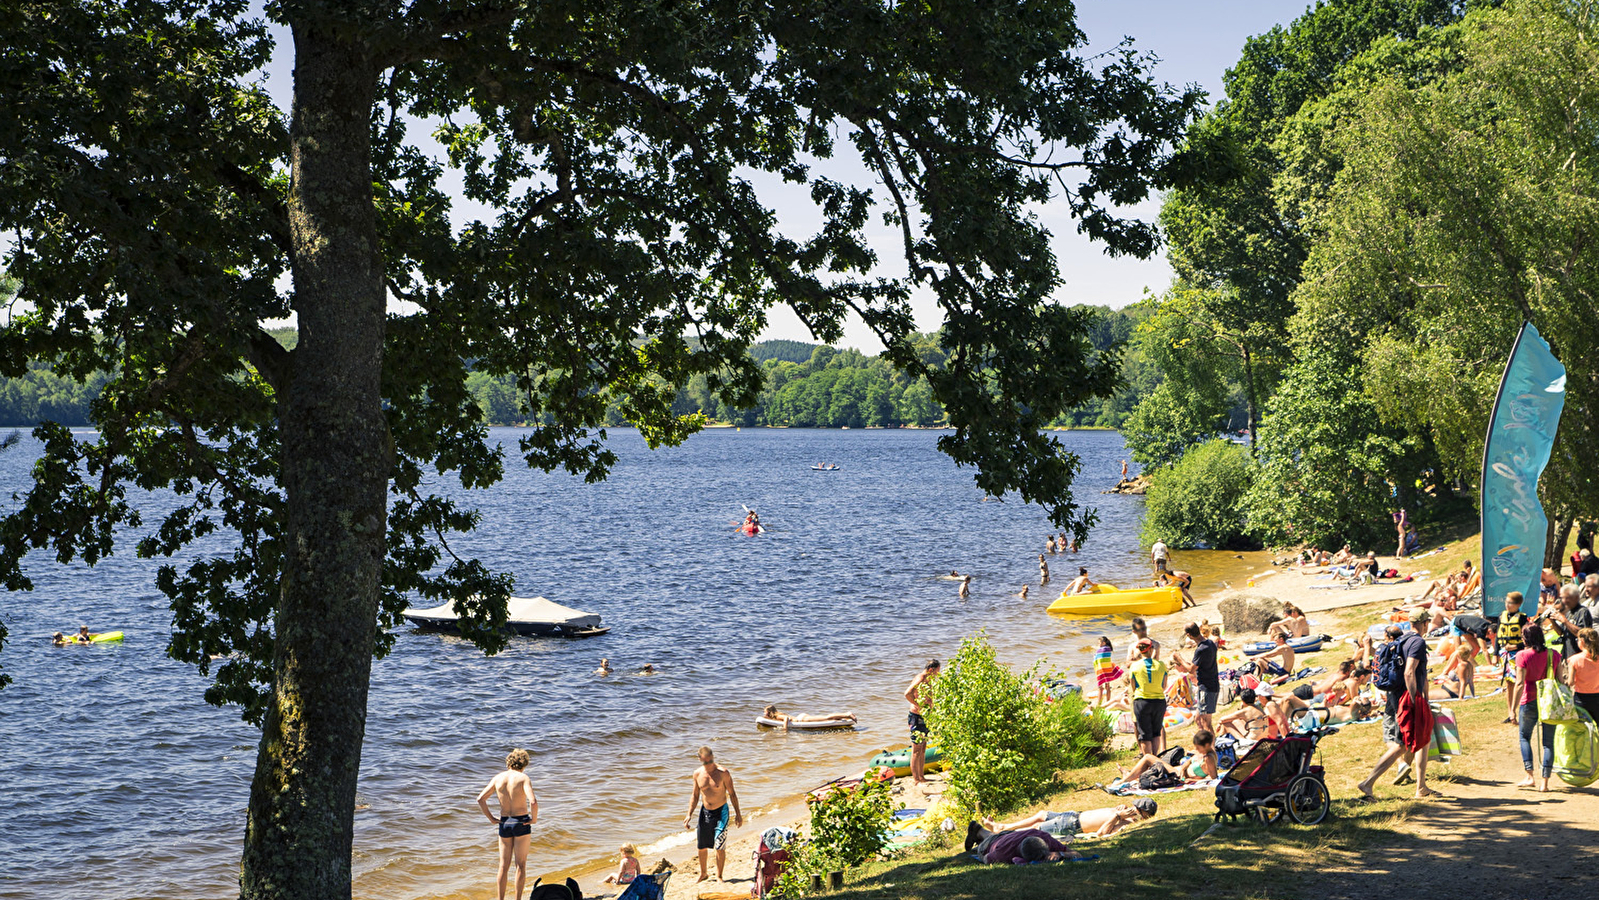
713,809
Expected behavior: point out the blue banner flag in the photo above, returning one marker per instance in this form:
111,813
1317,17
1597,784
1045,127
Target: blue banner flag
1521,433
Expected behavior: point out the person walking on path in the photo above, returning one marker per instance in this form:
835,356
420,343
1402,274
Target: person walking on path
713,794
519,810
1533,664
919,693
1148,678
1407,719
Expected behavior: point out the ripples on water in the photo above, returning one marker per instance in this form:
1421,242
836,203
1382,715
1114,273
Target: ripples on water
115,766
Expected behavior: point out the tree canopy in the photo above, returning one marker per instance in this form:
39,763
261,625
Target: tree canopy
164,211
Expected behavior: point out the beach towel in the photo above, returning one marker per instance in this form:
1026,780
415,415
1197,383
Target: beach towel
1105,670
1415,722
1445,734
1130,789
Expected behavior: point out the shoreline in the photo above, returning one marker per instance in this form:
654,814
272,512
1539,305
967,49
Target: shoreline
790,810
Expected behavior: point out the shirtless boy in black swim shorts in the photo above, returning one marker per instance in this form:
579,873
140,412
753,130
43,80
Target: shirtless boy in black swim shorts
519,810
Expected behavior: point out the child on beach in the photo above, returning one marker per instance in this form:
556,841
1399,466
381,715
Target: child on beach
1106,672
629,868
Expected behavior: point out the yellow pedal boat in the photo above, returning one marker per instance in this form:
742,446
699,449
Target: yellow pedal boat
1108,599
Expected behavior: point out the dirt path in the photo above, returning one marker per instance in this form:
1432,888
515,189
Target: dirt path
1483,839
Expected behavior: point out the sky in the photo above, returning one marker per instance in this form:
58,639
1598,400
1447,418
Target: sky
1196,40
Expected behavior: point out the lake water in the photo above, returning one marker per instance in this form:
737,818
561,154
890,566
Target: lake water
114,767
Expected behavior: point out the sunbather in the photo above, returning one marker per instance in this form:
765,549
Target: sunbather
1101,822
771,712
1197,766
1247,723
1023,847
1293,623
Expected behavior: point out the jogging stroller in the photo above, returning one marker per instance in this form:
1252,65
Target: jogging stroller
1276,778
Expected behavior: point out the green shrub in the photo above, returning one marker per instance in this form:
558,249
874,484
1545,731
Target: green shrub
1003,737
853,825
1199,500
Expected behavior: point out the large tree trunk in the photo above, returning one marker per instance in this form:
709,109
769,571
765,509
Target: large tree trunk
335,467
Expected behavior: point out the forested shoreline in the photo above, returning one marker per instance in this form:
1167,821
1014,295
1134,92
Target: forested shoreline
805,385
1390,190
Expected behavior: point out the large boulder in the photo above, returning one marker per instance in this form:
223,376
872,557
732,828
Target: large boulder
1249,613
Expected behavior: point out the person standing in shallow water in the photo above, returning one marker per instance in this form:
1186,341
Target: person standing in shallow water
519,810
966,587
1043,571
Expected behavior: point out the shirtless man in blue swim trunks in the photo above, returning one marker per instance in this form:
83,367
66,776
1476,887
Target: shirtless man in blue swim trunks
713,794
519,809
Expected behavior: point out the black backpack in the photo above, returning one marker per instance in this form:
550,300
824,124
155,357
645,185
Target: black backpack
555,891
1390,668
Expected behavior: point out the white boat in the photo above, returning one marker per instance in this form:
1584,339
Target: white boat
825,468
523,616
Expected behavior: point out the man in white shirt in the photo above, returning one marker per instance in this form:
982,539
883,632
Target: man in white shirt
1160,555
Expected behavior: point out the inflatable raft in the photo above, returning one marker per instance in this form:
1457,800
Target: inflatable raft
104,637
1310,643
778,723
1108,600
899,761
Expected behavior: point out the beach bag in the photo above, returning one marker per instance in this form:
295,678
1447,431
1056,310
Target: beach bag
1577,752
1228,692
1155,779
556,890
1556,704
1445,735
1390,668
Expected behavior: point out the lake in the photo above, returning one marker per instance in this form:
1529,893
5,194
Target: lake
116,769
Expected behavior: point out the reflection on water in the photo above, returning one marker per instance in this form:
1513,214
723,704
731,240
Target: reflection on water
835,608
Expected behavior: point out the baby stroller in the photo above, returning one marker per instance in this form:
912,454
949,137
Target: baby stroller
1276,778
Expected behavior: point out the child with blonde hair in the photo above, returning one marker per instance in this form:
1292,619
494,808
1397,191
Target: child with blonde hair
629,869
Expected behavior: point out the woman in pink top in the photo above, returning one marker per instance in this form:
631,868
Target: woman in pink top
1533,664
1585,672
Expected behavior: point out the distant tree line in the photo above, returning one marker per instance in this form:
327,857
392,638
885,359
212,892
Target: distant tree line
806,386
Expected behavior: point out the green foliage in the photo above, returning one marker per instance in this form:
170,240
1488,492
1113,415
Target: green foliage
1465,205
788,351
852,825
1004,738
1199,500
1327,466
1165,424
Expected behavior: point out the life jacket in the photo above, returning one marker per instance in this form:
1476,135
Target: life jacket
1510,622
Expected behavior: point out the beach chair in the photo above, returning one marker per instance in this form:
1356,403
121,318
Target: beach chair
1277,777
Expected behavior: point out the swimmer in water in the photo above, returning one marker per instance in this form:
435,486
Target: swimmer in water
1023,594
59,639
1043,571
83,636
605,666
966,587
647,669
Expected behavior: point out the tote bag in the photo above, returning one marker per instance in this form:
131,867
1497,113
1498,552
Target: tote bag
1556,704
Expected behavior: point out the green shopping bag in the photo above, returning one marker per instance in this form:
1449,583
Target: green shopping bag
1556,703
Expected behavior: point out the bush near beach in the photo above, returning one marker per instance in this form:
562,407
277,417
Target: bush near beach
1005,738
